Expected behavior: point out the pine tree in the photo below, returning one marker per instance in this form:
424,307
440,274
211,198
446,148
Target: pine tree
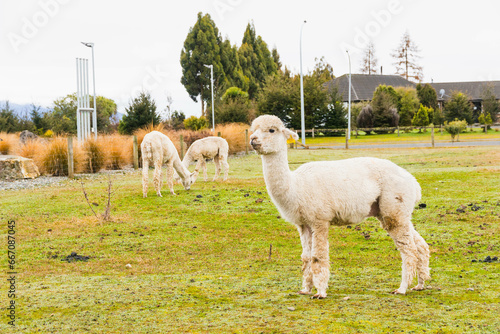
140,113
458,107
406,56
256,60
369,62
421,117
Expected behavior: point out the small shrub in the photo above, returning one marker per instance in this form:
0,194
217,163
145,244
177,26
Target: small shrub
454,128
234,133
194,123
49,134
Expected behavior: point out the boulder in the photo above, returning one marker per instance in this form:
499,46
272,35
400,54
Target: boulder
26,136
13,167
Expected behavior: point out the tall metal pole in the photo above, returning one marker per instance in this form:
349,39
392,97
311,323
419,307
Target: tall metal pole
302,117
349,109
213,106
94,114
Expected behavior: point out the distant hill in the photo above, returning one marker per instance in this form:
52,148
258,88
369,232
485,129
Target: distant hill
21,109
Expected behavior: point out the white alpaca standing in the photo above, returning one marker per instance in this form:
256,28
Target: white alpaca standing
319,194
159,149
215,148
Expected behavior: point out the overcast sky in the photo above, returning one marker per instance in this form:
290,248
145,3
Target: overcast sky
138,43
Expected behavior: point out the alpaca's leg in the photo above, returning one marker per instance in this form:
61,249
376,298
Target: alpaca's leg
204,165
423,270
157,180
145,176
170,176
197,169
225,165
217,167
320,259
402,234
307,277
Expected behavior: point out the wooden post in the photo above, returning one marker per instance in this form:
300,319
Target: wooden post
312,132
398,130
71,166
246,141
219,134
182,146
136,154
432,135
441,128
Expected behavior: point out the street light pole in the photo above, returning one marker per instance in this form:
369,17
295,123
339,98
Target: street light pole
348,135
212,88
302,117
94,114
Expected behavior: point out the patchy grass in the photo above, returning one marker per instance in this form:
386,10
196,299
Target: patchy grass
199,260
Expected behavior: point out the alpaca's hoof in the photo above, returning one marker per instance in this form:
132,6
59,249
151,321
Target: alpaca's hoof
304,292
398,292
418,288
319,296
159,195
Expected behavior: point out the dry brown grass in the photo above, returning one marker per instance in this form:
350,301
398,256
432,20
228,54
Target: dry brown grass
30,149
52,158
234,133
94,155
9,143
118,150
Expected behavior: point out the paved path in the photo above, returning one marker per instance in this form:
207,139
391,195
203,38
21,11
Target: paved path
416,145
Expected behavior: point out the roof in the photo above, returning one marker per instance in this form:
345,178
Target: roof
363,85
473,89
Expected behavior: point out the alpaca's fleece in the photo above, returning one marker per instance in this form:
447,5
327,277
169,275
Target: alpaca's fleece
159,149
215,148
319,194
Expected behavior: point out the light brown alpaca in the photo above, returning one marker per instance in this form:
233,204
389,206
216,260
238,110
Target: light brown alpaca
159,149
320,194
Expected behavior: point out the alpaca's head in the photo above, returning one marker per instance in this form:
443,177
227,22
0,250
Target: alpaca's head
188,181
269,134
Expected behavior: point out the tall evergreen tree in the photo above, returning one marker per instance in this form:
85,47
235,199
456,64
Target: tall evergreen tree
256,60
140,112
427,96
201,47
406,56
8,120
369,61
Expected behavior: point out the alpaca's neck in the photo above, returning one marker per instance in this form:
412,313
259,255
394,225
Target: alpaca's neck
181,168
277,175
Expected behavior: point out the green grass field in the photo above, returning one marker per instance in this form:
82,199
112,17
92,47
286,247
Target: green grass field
200,260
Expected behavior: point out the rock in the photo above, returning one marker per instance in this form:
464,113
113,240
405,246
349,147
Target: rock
291,308
461,209
346,298
128,266
13,167
26,136
422,206
470,289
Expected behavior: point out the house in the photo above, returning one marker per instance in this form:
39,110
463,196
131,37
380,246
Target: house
473,89
363,85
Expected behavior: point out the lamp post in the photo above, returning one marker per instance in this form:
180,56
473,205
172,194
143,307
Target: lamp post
302,117
348,135
94,114
212,88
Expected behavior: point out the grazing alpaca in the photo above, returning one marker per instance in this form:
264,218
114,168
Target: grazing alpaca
215,148
319,194
159,149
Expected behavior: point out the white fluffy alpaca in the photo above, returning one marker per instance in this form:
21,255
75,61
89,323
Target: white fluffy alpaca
159,149
319,194
215,148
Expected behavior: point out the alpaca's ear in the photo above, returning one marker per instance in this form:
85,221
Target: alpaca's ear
289,133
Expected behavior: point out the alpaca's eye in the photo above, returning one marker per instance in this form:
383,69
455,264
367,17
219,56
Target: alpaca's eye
271,130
